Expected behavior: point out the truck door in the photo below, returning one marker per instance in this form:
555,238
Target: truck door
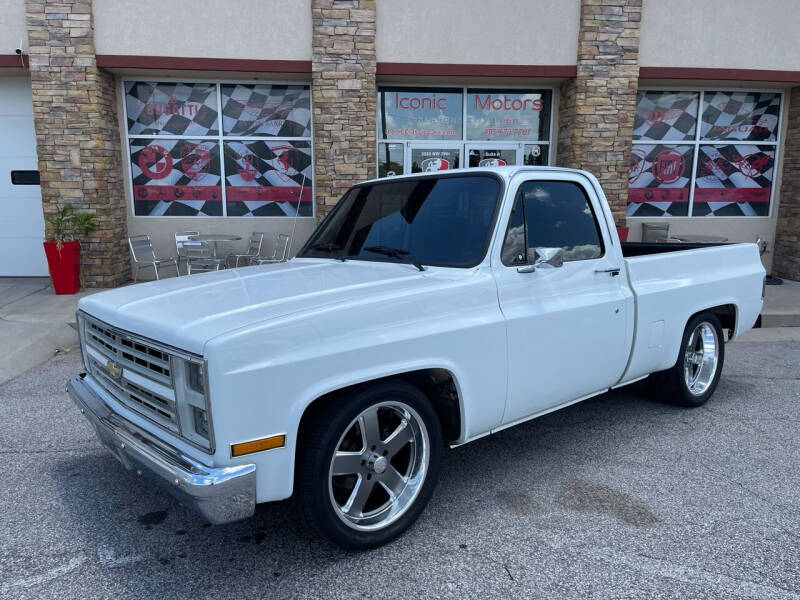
567,326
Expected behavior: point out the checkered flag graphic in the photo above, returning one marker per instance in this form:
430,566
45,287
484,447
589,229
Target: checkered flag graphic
664,116
176,177
659,179
734,180
266,110
171,108
268,178
746,116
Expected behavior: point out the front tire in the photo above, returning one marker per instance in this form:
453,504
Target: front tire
368,464
695,375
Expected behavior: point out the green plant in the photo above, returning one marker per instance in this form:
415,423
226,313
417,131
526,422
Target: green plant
67,222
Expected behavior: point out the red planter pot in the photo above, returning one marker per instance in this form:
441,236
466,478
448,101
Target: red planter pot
65,265
623,233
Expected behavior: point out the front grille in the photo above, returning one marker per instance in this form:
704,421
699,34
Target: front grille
136,373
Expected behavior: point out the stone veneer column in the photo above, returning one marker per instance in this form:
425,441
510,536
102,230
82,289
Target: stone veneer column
786,262
344,96
77,132
596,108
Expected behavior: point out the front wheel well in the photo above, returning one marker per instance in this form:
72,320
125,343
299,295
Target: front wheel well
438,385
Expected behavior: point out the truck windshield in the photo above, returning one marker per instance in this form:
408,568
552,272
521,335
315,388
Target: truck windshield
441,221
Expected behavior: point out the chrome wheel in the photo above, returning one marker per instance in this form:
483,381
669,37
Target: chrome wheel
701,359
379,466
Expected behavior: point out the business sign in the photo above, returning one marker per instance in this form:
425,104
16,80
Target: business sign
420,114
500,115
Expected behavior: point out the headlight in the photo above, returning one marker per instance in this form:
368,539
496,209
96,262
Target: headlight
200,421
191,396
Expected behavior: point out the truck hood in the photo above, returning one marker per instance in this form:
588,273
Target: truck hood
186,312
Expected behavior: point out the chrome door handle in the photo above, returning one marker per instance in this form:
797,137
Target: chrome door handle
613,271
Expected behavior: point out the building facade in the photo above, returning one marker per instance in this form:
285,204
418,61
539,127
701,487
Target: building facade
164,117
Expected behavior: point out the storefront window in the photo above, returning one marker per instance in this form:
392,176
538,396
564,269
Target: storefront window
171,108
176,177
660,178
708,173
175,143
497,115
434,129
419,114
734,180
390,160
434,159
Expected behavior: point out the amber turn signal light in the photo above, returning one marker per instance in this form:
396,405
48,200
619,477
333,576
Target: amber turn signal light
267,443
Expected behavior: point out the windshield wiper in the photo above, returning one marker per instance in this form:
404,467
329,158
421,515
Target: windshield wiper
330,249
398,253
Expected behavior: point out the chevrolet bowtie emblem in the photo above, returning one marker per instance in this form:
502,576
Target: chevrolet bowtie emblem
113,369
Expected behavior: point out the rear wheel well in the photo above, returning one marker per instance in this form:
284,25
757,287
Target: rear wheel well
726,313
438,385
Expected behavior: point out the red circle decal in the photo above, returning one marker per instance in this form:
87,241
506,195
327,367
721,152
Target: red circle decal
155,161
668,166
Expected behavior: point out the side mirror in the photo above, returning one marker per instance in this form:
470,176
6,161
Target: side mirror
545,257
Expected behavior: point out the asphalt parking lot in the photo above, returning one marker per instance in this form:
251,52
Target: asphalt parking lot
617,497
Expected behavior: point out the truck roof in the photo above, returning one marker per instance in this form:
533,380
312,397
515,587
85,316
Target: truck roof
505,172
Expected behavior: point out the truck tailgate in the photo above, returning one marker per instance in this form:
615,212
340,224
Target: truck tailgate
671,287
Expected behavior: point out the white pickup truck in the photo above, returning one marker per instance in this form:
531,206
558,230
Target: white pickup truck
424,311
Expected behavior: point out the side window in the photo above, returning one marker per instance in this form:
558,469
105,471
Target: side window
552,214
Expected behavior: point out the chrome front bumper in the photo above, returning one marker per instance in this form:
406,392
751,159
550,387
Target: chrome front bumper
221,495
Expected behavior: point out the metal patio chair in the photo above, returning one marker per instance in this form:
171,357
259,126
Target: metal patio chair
144,256
253,250
279,254
201,265
188,248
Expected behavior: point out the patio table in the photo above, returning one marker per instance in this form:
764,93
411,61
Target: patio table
214,239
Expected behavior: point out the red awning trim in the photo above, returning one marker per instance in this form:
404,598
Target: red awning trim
719,74
183,63
473,70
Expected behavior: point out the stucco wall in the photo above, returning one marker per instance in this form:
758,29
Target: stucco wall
721,34
251,29
12,26
514,32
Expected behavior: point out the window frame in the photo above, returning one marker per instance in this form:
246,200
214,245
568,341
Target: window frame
463,141
517,196
698,141
219,139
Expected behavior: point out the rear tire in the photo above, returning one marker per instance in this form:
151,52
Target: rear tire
368,464
691,381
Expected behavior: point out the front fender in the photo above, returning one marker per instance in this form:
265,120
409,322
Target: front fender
262,379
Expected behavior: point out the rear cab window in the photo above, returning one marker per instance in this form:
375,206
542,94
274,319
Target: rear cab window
552,214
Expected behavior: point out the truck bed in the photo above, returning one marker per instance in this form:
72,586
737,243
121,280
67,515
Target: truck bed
630,249
672,281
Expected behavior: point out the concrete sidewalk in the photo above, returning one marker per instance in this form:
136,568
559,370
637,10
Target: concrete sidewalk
35,324
782,305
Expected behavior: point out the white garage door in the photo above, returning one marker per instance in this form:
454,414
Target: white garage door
21,220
